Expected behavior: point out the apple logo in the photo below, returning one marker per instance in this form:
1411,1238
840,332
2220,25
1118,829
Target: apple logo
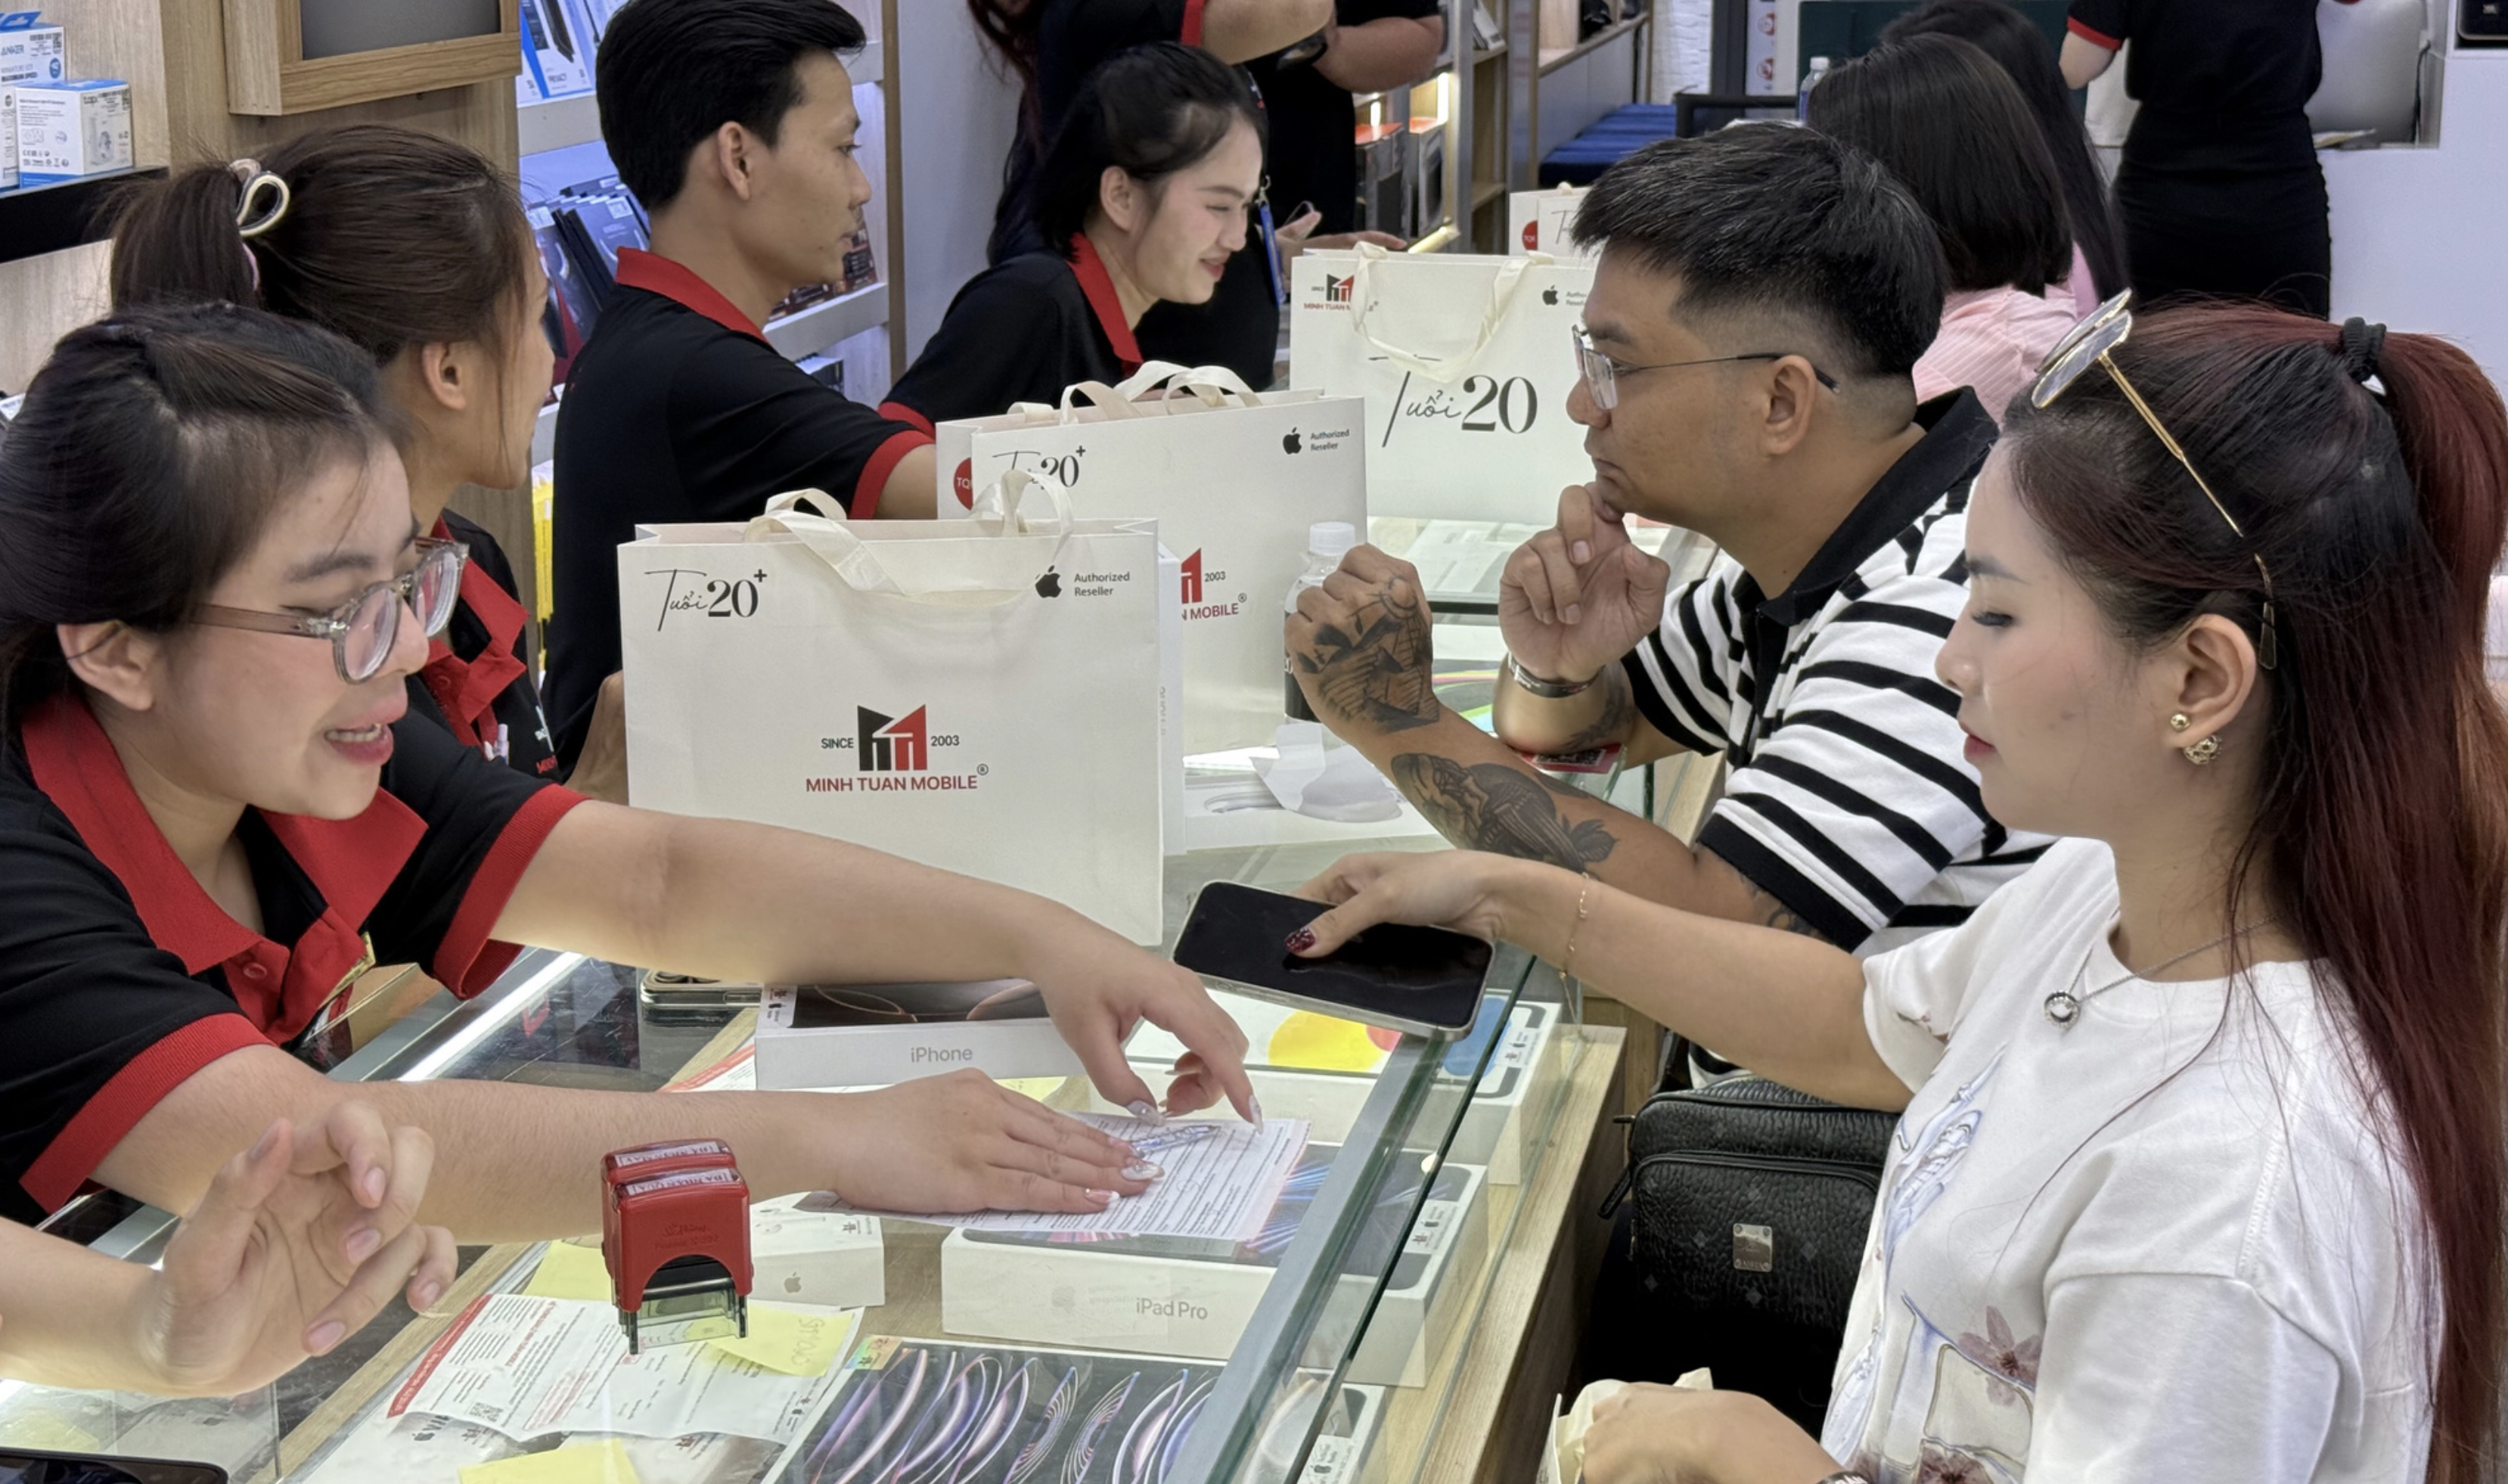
1289,444
791,1282
1549,295
1049,585
964,482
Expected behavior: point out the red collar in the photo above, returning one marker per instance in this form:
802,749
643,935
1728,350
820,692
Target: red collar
466,691
1100,286
349,861
657,274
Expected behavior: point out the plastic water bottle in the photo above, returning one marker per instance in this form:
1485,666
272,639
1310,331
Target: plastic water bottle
1327,542
1811,79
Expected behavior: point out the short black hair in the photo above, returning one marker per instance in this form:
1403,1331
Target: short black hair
1777,218
1151,111
1952,127
674,71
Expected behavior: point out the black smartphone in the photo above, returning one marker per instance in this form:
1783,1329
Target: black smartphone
1424,981
24,1465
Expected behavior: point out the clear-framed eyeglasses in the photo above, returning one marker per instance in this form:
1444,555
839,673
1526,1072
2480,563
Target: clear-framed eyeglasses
364,629
2088,345
1602,373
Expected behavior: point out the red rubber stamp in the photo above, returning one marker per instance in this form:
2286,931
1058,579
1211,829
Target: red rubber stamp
675,1234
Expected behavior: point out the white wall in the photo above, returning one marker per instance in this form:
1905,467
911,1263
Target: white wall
956,115
2421,235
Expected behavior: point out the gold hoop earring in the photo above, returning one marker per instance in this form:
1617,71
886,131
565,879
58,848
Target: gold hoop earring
2179,720
2203,751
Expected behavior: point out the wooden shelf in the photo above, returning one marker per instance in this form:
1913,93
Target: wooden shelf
269,75
1490,56
558,123
1554,58
1486,191
52,215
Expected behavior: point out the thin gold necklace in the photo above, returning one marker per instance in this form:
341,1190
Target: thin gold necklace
2064,1006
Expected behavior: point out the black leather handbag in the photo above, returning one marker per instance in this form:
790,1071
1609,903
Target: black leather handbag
1753,1200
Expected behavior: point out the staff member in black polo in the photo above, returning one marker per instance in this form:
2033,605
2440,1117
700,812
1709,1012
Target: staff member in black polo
2220,189
213,817
734,124
1145,190
1371,44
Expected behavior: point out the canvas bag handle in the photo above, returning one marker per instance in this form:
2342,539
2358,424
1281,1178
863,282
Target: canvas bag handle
1000,511
1504,285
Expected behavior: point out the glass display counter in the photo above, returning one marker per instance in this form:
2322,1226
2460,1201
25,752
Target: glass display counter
1370,1323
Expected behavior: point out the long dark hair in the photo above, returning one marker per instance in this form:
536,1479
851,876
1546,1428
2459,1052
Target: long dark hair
150,451
2380,822
390,239
1148,111
1951,127
2024,53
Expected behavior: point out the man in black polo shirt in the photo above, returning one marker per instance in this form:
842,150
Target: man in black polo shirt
733,122
1762,296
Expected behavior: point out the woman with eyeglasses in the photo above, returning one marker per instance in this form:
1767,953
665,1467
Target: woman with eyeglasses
2198,1172
213,815
414,249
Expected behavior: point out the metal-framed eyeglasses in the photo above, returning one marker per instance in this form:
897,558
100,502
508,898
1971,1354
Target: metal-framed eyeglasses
1602,373
364,629
2088,345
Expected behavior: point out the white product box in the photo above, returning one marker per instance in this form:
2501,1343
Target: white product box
862,1035
73,128
832,1259
34,55
1537,221
1195,1298
1321,1069
8,165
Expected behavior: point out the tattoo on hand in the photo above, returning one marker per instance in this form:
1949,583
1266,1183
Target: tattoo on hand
1491,806
1383,677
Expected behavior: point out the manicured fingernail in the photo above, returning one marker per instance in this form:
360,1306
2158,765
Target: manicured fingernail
1145,1110
1301,939
1143,1169
1576,610
1583,552
375,1186
1256,1103
1101,1197
362,1243
425,1294
324,1336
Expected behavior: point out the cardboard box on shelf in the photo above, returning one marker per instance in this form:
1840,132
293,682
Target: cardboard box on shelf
34,54
67,130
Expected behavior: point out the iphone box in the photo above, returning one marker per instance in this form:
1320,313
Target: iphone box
873,1035
804,1255
1193,1297
73,128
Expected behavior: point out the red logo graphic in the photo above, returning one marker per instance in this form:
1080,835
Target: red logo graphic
1337,289
1531,235
1192,579
964,482
890,746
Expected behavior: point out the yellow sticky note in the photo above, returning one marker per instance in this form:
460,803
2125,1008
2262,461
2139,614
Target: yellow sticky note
571,1272
1038,1088
796,1343
601,1463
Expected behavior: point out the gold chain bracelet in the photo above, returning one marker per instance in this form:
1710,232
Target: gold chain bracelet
1567,962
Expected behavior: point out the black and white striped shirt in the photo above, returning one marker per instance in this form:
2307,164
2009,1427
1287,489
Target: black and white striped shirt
1847,798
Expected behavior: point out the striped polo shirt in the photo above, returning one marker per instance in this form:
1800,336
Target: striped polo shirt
1847,799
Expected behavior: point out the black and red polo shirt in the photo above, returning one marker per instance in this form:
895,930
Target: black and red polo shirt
477,683
678,411
1019,332
120,977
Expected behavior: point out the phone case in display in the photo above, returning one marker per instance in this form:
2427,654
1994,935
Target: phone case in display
1184,1297
1003,1414
1318,1067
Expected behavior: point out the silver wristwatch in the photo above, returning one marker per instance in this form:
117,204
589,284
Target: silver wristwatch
1547,689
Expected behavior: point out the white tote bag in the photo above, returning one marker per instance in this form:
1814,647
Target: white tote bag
1233,477
1466,366
981,698
1537,221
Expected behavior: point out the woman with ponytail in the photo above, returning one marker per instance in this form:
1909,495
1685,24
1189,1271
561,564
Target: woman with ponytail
414,249
2199,1169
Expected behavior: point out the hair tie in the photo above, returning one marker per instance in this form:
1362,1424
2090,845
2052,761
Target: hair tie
250,222
2360,346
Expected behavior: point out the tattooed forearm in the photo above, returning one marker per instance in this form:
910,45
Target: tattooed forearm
1619,709
1493,807
1764,908
1378,672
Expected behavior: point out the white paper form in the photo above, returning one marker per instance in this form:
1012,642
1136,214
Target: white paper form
1222,1187
532,1366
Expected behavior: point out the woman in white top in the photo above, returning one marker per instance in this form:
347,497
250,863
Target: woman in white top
2199,1174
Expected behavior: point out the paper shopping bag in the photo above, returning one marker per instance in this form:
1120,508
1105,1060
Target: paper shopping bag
1537,221
1233,477
1464,365
977,696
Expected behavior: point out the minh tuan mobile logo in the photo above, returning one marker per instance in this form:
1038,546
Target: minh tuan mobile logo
894,755
1195,579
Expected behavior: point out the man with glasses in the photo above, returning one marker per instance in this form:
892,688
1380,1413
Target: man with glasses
1760,298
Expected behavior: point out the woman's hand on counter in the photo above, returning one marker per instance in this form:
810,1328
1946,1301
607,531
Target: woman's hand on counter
963,1142
1099,988
299,1241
